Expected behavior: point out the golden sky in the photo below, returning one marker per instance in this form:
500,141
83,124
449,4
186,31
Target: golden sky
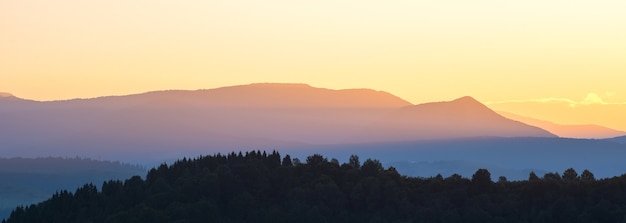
419,50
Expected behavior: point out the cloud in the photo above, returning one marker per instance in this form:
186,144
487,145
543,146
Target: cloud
609,93
593,98
590,99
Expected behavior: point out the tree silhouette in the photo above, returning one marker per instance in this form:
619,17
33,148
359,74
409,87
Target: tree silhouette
287,161
570,175
371,167
502,179
587,176
532,177
257,187
482,177
354,162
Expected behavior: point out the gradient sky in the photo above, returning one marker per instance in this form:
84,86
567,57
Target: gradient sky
419,50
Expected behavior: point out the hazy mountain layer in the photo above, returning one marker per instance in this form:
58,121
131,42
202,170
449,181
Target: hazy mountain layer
610,115
461,118
510,157
568,131
168,124
621,139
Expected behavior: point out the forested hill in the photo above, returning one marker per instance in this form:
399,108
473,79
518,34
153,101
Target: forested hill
260,187
31,180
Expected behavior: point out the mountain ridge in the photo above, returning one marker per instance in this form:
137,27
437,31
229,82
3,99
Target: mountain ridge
244,116
245,93
568,131
464,117
619,139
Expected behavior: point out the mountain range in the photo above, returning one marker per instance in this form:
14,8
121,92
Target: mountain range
161,126
461,118
568,131
621,139
247,116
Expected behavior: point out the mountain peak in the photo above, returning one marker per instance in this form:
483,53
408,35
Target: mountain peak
461,108
6,95
464,117
469,104
466,100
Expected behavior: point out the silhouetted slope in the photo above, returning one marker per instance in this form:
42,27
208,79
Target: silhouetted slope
260,187
27,181
610,115
264,95
299,96
4,95
568,131
621,139
603,157
247,116
7,97
461,118
11,103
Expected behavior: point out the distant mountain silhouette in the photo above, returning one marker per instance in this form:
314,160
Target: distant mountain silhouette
255,96
4,97
264,116
462,167
621,139
271,95
609,115
568,131
9,102
506,156
461,118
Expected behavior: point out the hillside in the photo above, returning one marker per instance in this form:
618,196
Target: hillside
461,118
510,157
8,98
621,139
261,187
610,115
27,181
568,131
268,116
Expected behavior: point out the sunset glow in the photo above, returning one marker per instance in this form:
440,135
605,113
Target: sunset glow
516,56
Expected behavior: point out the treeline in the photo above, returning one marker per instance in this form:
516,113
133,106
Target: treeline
30,180
261,187
59,165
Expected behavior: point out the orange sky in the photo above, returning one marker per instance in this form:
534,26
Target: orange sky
422,51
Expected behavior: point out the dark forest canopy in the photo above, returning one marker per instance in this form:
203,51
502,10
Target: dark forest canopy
32,180
265,187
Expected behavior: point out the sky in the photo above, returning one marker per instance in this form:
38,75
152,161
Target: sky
503,53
